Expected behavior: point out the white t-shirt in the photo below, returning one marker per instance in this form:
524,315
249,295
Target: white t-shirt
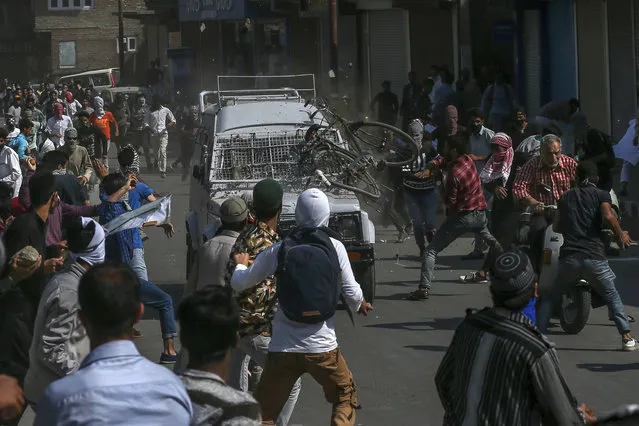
290,336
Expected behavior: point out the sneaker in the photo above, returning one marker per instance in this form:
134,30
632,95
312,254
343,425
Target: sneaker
628,344
137,333
420,294
473,255
473,278
168,359
163,175
403,236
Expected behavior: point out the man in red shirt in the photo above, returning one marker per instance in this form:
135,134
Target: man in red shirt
541,182
102,120
465,208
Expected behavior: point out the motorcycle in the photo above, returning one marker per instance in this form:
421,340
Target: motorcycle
574,310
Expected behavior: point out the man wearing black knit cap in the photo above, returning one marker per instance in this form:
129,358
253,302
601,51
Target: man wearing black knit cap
257,304
499,369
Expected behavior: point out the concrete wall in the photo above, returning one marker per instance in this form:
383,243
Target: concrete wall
95,33
592,62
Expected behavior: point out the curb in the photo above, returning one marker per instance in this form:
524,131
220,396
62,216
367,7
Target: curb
629,209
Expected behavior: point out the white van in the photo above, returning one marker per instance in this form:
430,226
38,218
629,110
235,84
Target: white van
99,79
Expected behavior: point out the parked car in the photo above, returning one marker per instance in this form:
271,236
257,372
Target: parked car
247,135
99,79
132,91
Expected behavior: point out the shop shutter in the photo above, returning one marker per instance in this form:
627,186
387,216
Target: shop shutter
563,66
389,49
532,49
622,65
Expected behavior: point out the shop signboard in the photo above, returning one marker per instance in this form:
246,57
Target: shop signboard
206,10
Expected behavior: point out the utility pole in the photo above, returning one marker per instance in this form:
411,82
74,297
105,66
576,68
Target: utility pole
332,10
121,40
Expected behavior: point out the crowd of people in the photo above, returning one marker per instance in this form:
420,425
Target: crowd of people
260,304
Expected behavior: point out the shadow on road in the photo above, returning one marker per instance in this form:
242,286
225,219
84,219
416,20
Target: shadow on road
402,296
449,324
429,348
608,368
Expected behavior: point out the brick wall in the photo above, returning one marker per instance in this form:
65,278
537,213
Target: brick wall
95,33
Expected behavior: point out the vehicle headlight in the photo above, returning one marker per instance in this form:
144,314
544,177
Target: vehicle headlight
348,225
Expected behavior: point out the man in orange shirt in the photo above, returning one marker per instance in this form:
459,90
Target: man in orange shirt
102,121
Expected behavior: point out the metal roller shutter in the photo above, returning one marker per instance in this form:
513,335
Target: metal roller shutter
622,65
389,49
532,49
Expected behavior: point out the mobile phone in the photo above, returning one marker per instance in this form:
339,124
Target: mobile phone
134,183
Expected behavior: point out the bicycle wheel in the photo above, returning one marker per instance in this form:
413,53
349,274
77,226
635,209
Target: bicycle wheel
383,137
345,170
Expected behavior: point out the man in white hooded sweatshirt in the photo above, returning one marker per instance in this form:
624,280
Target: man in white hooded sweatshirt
304,347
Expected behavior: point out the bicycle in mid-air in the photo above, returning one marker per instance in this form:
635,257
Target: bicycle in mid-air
369,143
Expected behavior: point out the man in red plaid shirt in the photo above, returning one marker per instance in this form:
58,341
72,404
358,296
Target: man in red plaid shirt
541,182
465,208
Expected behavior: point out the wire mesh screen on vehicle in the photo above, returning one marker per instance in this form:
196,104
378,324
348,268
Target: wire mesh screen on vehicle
256,156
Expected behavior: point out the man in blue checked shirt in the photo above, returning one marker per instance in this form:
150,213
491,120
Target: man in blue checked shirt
120,247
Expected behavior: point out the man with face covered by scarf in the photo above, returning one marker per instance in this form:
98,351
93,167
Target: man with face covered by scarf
62,342
79,161
140,118
57,125
421,195
103,120
448,129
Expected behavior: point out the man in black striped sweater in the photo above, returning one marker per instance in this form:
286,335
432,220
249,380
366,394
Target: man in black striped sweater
499,369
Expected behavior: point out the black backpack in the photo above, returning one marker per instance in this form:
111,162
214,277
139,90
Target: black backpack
308,275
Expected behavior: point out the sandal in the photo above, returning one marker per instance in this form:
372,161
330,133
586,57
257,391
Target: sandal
473,278
420,294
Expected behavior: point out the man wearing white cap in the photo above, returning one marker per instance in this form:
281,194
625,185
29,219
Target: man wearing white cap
60,340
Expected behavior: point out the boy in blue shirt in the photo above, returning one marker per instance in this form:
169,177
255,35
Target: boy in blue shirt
20,143
123,246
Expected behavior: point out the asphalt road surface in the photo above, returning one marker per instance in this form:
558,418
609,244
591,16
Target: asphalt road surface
395,351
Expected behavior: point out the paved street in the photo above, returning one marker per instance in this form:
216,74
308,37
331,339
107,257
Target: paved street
395,352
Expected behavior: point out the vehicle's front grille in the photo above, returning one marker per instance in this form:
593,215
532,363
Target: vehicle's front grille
347,225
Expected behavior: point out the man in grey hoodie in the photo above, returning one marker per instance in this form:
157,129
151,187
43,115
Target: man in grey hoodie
209,323
60,341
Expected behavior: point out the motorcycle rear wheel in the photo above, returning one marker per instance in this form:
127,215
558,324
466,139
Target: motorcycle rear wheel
575,309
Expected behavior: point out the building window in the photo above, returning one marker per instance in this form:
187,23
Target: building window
130,42
70,4
67,54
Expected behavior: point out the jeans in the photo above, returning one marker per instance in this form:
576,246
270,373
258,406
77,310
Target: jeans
138,264
256,347
422,208
479,241
572,268
453,228
160,142
155,297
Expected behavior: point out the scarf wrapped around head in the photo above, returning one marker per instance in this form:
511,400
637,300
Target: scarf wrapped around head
499,164
98,104
68,96
129,160
95,252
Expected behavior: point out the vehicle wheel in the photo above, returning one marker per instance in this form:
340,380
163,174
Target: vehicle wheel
575,309
366,279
